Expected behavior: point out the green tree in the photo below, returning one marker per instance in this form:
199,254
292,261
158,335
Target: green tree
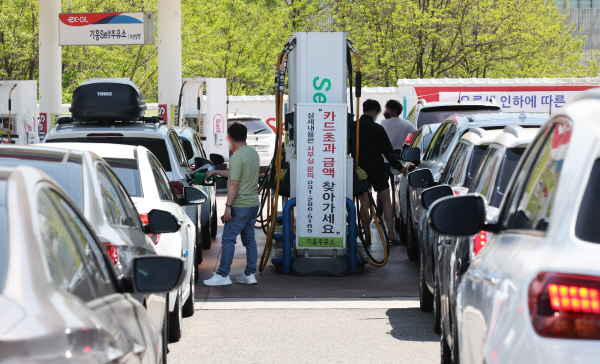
18,39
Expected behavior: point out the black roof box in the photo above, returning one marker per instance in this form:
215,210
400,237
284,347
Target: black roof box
107,100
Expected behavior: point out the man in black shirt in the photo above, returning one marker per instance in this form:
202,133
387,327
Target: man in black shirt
373,145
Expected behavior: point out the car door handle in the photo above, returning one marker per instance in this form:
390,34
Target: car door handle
492,279
475,275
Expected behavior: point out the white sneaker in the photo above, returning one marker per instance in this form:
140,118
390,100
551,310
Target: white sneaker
218,280
244,279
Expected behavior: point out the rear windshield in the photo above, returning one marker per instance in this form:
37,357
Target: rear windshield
3,235
435,115
67,175
128,172
586,227
255,126
513,156
157,146
187,148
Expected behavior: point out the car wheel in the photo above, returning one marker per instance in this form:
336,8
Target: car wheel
199,241
175,319
411,250
213,224
188,306
165,334
437,313
446,354
425,297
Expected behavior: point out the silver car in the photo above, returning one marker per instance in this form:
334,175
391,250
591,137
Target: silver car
60,299
160,139
193,149
96,191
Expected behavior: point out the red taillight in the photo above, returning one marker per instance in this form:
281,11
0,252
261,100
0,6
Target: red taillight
456,193
105,135
177,187
155,238
113,252
192,166
565,306
409,138
144,218
412,167
479,240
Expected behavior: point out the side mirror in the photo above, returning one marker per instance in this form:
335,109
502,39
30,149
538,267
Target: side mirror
155,274
412,155
217,159
458,215
201,162
161,222
422,178
193,196
430,195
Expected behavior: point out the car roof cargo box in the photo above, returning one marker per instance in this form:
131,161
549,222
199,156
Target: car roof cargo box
107,100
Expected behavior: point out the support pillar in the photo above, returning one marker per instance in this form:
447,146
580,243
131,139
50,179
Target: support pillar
169,55
50,61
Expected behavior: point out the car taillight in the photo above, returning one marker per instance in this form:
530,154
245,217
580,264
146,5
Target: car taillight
412,167
177,187
409,138
479,241
565,306
113,252
144,218
155,238
192,166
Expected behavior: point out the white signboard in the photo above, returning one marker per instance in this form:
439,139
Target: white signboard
517,101
321,150
106,28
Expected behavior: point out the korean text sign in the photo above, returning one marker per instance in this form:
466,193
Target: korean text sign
517,101
106,28
321,158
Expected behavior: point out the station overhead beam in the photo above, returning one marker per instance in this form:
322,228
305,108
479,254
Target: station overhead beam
50,87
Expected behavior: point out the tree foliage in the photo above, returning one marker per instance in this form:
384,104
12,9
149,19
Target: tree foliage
240,40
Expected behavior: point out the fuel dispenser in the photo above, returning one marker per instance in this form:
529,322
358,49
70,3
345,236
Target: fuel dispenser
313,169
18,112
204,108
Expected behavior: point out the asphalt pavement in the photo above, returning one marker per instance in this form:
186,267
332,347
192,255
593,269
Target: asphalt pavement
373,316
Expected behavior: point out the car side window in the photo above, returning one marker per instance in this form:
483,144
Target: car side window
162,182
411,114
538,188
179,153
417,139
437,141
448,139
456,153
486,175
115,200
62,256
94,259
457,172
199,145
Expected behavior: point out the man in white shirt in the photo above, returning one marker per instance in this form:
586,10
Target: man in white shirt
397,129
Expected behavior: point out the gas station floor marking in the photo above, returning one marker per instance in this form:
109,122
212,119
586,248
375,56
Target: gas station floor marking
306,303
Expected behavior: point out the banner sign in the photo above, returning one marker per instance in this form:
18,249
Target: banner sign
106,28
517,101
162,112
321,150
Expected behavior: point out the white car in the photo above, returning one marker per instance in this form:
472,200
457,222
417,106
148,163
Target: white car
531,295
260,136
148,186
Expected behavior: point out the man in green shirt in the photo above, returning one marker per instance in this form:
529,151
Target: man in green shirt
241,207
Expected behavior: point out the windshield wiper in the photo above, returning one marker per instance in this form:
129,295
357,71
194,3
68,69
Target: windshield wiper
259,130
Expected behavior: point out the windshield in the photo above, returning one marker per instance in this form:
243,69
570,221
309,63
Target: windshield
128,172
67,175
513,156
255,126
3,235
436,115
157,146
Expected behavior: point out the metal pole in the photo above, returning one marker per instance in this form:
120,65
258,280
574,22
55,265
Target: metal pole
50,59
169,53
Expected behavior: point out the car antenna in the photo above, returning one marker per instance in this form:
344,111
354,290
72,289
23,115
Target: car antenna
236,110
460,93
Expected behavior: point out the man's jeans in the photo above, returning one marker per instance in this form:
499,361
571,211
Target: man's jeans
242,223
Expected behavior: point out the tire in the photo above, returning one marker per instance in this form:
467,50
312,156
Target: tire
411,249
205,236
213,223
188,306
199,242
446,354
437,305
165,334
175,319
425,297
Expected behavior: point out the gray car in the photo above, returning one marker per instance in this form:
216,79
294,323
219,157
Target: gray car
96,191
193,149
160,139
60,299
